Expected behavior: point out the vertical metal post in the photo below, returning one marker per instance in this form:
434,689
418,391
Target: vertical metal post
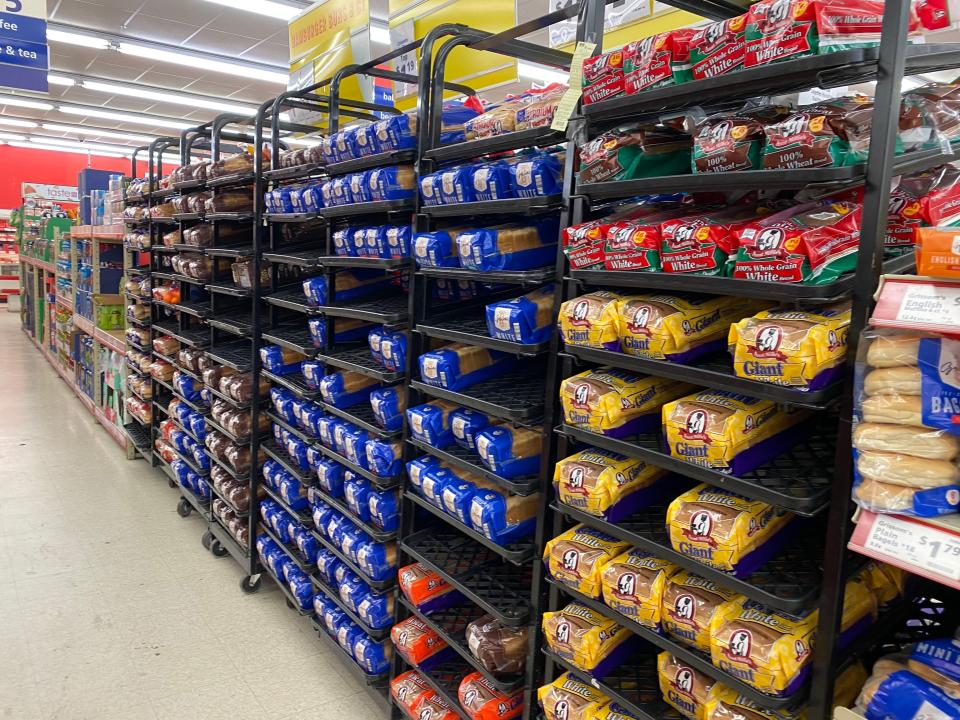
890,68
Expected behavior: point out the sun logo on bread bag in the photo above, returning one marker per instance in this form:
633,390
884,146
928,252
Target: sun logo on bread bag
740,643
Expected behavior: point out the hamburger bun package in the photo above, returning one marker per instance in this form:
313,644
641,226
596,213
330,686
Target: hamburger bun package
684,688
577,557
567,698
633,585
607,485
796,348
616,403
690,604
905,437
726,531
586,639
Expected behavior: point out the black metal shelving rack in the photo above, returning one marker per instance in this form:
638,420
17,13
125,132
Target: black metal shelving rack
813,479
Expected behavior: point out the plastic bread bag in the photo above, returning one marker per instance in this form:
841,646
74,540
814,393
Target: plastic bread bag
586,639
704,243
418,468
633,584
388,408
434,479
925,199
537,176
385,459
677,328
540,106
567,698
860,611
377,560
767,649
465,424
351,589
346,388
374,656
348,633
602,76
426,590
833,133
633,154
439,248
904,694
577,557
394,350
376,610
384,508
886,582
504,518
344,330
510,247
430,423
458,366
635,244
397,241
526,319
616,403
492,181
408,690
726,531
351,442
497,120
796,348
392,183
418,644
510,452
605,484
457,493
591,320
500,649
455,185
683,687
657,61
345,243
356,140
930,117
481,700
359,187
905,442
281,360
429,186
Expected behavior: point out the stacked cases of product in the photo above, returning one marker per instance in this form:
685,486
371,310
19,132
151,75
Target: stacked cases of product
695,453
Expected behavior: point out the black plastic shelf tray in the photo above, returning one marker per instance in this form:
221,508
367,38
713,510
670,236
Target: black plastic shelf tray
178,278
507,206
444,678
384,159
341,507
471,328
302,258
789,581
300,561
187,217
700,661
240,324
293,173
389,310
514,396
294,337
517,553
138,421
303,516
468,460
368,208
244,178
633,686
164,249
537,276
784,292
202,409
365,262
145,349
292,299
378,585
451,625
139,298
229,289
798,480
230,251
162,220
476,571
358,359
715,371
290,217
193,338
189,185
334,595
534,137
197,309
139,436
236,355
362,416
295,383
280,455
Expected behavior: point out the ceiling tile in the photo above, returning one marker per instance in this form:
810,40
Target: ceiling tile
148,27
249,24
221,43
271,53
197,12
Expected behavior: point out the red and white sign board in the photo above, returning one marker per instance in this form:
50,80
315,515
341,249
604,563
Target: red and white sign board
60,193
918,303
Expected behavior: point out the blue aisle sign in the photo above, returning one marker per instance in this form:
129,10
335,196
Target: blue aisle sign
24,59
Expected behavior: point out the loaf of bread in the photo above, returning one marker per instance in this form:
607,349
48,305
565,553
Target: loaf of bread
456,493
690,605
633,585
683,687
416,642
458,366
886,582
567,698
504,518
500,649
346,388
906,470
510,247
439,248
895,409
430,423
510,452
916,441
591,320
893,351
723,703
527,319
578,556
481,699
584,638
605,484
409,690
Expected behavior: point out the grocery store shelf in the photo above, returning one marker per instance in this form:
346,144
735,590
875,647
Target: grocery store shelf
513,396
471,327
470,461
110,339
83,324
507,206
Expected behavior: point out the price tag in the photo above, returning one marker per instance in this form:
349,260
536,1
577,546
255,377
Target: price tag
568,103
930,305
916,544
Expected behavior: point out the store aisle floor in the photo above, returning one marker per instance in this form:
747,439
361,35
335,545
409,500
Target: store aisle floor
109,606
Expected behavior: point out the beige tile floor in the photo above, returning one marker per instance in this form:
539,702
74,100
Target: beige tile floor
110,609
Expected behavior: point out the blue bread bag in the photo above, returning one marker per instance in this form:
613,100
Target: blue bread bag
397,239
356,492
359,187
293,493
447,367
355,446
510,247
326,425
373,656
384,459
340,432
374,340
502,518
397,132
388,407
457,497
280,360
311,197
344,241
437,248
330,477
394,351
384,506
537,176
430,189
465,424
345,388
396,182
378,560
434,479
376,610
417,469
430,423
340,191
321,602
455,185
365,141
313,373
510,451
327,563
527,319
352,590
492,181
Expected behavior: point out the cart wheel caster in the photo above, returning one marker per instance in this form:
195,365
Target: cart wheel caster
217,549
207,541
249,585
171,483
183,508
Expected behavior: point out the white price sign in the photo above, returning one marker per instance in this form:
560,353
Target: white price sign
927,304
913,543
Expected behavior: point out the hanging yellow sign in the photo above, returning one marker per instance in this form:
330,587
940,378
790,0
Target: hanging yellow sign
325,27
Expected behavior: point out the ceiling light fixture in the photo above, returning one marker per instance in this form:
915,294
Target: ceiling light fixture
262,7
60,80
59,148
20,102
66,142
13,122
124,117
169,97
91,132
205,63
72,38
10,136
302,142
542,73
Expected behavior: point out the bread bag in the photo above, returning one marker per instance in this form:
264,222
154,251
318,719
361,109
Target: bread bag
591,320
385,459
439,248
633,585
607,485
466,424
527,319
510,247
602,76
684,687
657,61
418,644
567,698
578,556
500,649
430,423
586,639
388,407
345,388
481,700
504,518
458,366
510,452
704,243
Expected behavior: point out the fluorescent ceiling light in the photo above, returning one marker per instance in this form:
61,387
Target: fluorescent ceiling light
124,117
90,132
300,141
58,148
10,136
66,142
542,73
13,122
60,80
170,97
72,38
262,7
203,63
19,102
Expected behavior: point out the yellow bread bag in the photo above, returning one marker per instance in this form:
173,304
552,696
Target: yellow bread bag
633,585
584,638
729,432
683,687
764,648
566,698
797,348
724,530
591,320
690,603
726,704
577,557
860,609
886,582
615,402
678,328
605,484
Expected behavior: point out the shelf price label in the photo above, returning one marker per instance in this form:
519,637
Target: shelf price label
918,303
913,543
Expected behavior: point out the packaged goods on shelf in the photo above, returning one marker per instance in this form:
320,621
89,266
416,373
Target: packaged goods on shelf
723,703
388,407
458,366
344,330
935,252
481,700
520,176
419,646
634,584
587,639
501,650
466,424
509,247
605,484
384,458
631,154
280,360
426,590
728,142
347,286
503,518
578,556
690,605
685,688
235,164
567,697
526,319
409,690
510,451
655,61
532,109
